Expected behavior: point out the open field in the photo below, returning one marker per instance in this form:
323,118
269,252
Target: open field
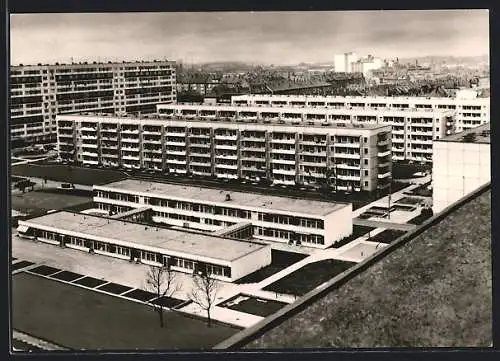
279,261
434,291
357,231
309,277
69,174
80,319
36,202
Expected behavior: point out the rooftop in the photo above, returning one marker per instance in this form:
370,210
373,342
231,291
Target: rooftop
237,199
480,135
222,121
167,239
90,64
434,291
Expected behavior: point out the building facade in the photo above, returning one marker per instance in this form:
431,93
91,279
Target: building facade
39,92
412,129
461,164
343,62
277,219
469,110
349,157
223,258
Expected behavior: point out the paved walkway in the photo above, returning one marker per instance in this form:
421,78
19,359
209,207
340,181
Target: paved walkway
383,223
33,341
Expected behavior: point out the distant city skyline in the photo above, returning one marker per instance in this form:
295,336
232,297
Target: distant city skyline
280,38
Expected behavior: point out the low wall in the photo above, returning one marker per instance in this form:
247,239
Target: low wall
246,336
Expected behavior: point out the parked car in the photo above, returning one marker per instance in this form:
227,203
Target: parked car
66,186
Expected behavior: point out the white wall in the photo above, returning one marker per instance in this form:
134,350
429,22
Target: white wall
250,263
457,170
338,225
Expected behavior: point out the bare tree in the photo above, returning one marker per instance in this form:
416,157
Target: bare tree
204,291
162,282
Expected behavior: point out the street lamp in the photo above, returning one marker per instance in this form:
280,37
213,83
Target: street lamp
389,199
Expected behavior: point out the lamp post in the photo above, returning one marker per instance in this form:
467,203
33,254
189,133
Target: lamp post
389,199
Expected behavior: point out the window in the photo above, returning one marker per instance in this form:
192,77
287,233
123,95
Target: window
365,161
366,184
366,173
365,139
366,150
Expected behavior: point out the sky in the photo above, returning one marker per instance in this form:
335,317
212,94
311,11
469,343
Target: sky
280,38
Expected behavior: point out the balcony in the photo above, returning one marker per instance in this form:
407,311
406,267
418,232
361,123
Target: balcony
176,152
384,153
131,157
109,130
253,139
130,140
384,175
382,143
347,155
421,141
283,151
227,166
109,155
347,166
347,145
226,146
88,129
314,153
90,145
283,161
130,131
200,136
283,141
227,176
90,154
90,162
349,177
151,132
227,156
196,154
226,137
313,142
253,159
253,168
176,161
284,171
176,143
176,134
201,164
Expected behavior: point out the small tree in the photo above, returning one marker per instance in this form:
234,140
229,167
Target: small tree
204,292
162,282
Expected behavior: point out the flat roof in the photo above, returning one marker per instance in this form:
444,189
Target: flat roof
479,134
170,240
238,199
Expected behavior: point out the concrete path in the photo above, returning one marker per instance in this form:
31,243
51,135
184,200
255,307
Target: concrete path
17,335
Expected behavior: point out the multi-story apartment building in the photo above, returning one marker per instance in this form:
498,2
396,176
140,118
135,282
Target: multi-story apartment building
412,129
350,157
461,164
276,219
39,92
469,111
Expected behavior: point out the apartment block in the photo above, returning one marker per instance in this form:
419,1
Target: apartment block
350,157
225,259
39,92
469,111
461,164
412,129
276,219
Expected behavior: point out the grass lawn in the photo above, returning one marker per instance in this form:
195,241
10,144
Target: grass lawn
39,202
405,170
409,200
253,305
77,318
357,231
309,277
387,236
279,261
434,291
68,174
421,218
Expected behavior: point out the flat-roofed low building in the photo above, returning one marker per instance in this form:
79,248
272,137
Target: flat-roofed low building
281,219
461,164
226,259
